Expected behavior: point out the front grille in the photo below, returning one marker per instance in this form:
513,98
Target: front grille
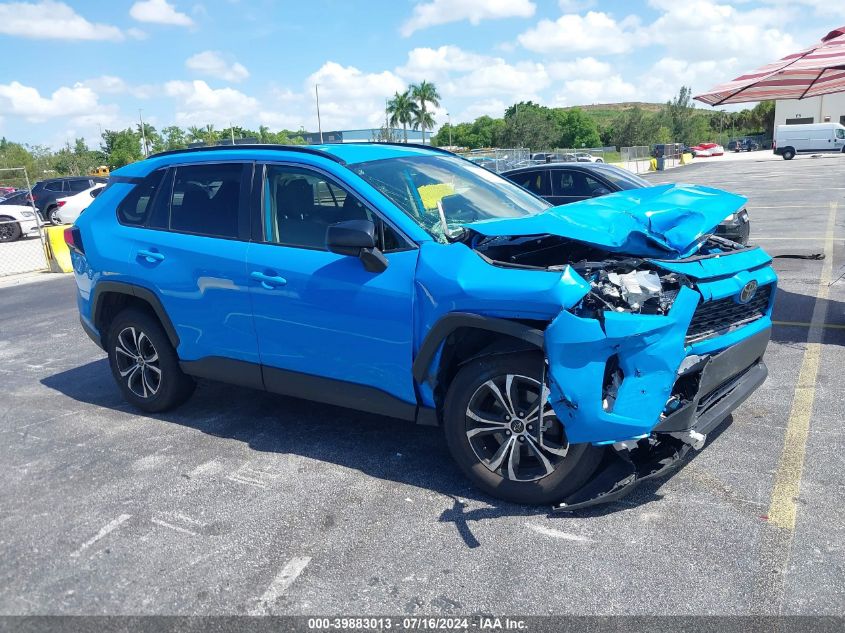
713,318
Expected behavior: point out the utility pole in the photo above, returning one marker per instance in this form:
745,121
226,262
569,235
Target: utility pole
143,134
232,130
449,118
319,123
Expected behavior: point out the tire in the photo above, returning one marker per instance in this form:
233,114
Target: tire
156,384
53,216
599,160
10,230
531,481
788,153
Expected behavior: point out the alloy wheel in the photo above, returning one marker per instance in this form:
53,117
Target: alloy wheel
513,429
138,362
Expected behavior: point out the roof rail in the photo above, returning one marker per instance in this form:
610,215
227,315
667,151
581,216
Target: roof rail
304,149
433,148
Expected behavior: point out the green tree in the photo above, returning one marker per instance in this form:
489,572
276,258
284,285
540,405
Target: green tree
530,125
174,137
679,116
210,135
196,134
121,147
577,129
424,93
402,110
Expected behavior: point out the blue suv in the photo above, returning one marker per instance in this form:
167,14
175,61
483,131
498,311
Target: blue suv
568,352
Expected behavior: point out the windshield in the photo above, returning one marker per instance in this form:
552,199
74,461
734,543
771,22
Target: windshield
440,193
623,179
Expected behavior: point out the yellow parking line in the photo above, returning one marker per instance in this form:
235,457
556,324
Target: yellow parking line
788,475
832,326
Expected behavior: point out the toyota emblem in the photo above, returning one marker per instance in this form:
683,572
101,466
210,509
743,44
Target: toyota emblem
748,292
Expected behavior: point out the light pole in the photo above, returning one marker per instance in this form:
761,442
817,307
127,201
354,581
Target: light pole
143,134
449,118
319,124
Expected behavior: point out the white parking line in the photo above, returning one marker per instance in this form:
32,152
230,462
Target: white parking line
174,527
105,531
284,579
566,536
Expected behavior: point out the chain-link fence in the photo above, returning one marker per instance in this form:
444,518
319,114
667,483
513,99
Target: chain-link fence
500,159
585,155
636,159
21,233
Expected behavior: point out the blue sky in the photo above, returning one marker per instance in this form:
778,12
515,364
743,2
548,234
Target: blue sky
71,67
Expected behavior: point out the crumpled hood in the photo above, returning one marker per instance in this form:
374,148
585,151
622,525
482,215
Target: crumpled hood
664,221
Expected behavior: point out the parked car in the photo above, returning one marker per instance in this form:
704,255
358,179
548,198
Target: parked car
707,149
20,196
811,138
71,207
586,157
566,351
743,145
45,193
5,191
16,221
566,183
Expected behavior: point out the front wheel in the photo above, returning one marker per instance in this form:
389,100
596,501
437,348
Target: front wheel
144,363
505,436
10,230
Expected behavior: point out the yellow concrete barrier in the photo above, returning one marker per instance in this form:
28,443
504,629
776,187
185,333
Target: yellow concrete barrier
652,164
686,158
58,254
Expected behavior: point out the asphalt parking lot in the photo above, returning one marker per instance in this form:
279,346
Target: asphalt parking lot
243,502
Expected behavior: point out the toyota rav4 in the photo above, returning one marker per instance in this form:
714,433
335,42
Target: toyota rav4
568,352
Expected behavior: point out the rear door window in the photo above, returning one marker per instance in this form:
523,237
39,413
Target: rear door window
536,181
57,187
79,185
205,199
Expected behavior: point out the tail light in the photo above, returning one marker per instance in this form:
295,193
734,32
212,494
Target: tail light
61,203
73,238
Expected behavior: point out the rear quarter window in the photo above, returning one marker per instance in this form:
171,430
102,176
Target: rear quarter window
135,207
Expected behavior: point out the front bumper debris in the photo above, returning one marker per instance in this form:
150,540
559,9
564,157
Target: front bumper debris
724,381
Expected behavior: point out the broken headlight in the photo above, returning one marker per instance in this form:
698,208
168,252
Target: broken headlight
636,290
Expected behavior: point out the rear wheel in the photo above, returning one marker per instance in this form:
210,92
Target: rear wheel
505,435
788,153
144,363
53,215
10,230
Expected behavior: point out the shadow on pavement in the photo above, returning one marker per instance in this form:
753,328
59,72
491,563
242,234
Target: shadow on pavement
380,447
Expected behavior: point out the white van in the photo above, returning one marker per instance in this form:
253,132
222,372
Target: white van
811,138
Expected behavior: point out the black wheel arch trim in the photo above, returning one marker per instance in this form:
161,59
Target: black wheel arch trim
451,322
145,294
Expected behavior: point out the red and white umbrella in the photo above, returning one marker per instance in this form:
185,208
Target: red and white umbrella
814,71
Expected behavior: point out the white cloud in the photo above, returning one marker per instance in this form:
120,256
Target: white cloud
487,107
213,64
136,33
586,91
434,64
159,12
350,97
573,33
108,84
51,20
576,6
459,74
25,101
434,12
198,103
580,68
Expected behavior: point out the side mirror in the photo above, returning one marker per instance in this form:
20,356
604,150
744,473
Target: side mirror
357,238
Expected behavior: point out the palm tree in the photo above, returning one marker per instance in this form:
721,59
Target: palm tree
425,92
196,134
424,120
263,134
402,109
210,135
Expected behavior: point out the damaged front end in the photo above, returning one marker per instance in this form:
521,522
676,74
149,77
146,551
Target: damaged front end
666,340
